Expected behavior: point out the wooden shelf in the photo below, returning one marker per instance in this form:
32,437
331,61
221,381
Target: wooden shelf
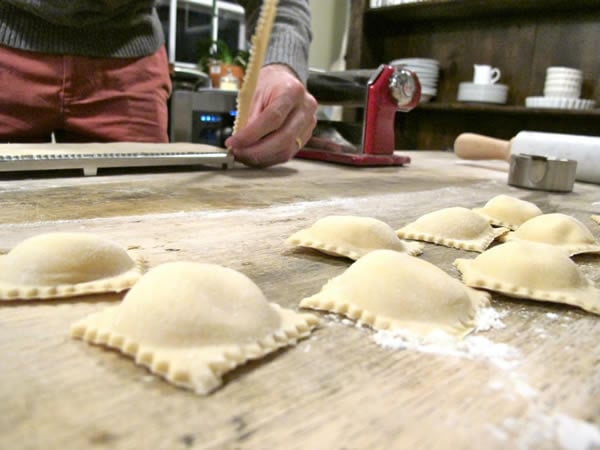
508,109
468,9
521,37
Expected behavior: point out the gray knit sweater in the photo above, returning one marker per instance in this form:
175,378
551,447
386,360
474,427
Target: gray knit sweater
131,28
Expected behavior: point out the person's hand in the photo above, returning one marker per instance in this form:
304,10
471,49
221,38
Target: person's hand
281,120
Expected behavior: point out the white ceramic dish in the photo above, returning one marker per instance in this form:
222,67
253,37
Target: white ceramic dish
482,93
563,80
427,62
560,92
427,80
425,98
423,70
559,103
558,70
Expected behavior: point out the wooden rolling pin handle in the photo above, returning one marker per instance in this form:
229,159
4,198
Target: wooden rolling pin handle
477,146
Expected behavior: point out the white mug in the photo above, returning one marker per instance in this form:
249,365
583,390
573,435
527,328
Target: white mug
485,74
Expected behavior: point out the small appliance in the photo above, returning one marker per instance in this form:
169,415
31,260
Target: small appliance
204,116
381,93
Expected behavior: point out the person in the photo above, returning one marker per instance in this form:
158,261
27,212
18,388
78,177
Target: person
97,70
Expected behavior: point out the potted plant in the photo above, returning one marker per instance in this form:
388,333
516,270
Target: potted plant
215,58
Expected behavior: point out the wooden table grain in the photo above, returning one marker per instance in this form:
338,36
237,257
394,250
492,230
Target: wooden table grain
339,389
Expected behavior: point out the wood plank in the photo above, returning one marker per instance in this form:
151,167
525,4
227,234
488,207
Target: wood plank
338,389
460,9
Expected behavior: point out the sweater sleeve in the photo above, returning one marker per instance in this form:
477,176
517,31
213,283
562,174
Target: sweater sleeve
290,36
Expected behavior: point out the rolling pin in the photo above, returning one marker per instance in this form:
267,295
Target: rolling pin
583,149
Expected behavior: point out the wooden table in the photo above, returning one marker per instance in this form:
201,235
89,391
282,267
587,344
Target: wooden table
339,388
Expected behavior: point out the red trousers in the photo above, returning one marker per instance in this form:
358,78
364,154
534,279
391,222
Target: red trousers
82,99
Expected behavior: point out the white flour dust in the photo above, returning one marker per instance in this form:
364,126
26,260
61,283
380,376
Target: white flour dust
439,342
563,431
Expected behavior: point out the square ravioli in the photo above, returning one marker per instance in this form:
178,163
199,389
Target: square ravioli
531,270
557,229
388,290
456,227
351,237
191,322
60,265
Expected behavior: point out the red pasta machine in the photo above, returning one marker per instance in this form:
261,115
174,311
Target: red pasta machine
381,92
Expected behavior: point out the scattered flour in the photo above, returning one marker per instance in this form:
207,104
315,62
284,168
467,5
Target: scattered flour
439,342
538,427
488,318
566,432
574,434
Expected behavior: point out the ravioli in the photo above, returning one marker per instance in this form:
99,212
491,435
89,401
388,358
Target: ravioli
351,237
61,264
531,270
456,227
192,322
509,212
557,229
596,219
387,290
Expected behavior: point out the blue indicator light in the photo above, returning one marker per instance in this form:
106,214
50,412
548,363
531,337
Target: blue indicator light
233,113
210,118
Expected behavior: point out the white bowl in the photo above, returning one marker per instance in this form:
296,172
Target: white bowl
424,70
563,84
564,80
427,79
422,62
425,98
483,93
565,93
563,70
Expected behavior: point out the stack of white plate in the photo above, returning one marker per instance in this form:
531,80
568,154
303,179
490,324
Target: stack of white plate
428,72
563,82
562,89
482,93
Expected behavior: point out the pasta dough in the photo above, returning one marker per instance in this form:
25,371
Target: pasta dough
506,211
453,227
386,289
596,219
352,237
58,265
258,50
533,271
192,322
557,229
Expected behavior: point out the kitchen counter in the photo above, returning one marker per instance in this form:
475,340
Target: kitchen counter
532,381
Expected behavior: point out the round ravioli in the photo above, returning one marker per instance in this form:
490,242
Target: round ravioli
388,290
55,265
533,271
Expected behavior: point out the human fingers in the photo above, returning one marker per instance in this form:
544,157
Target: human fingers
284,142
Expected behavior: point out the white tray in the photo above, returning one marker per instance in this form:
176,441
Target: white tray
559,103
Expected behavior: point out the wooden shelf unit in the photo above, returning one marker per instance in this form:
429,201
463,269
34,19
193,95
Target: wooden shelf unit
521,37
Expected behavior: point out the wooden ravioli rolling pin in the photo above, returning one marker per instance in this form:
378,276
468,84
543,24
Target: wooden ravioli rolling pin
583,149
